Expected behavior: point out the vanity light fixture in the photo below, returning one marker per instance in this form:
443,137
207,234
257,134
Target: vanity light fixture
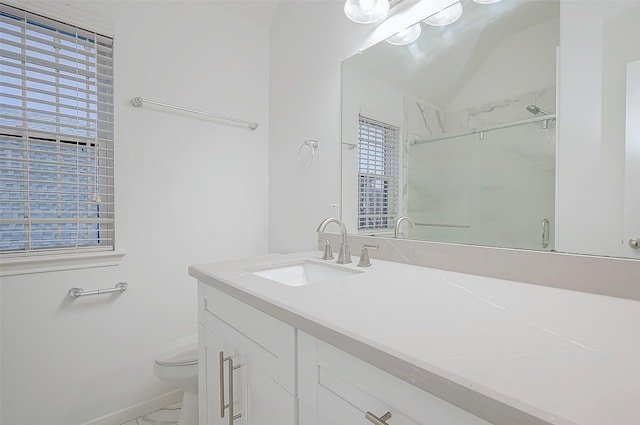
406,36
445,16
486,1
366,11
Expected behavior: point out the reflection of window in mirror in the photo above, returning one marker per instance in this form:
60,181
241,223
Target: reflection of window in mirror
378,175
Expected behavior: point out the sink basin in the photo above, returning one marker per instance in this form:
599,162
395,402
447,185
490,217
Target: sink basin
304,273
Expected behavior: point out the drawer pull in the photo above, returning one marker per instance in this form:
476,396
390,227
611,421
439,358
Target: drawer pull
223,405
378,420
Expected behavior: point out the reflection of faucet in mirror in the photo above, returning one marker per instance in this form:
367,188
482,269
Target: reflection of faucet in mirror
396,231
344,257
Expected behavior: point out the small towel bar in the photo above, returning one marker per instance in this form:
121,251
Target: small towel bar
79,292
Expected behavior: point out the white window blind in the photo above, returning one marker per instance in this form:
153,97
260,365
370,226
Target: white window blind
378,175
56,135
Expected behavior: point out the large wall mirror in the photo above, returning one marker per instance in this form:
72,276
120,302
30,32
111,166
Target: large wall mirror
515,126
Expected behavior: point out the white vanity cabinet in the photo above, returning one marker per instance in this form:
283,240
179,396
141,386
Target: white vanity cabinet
318,354
336,388
261,387
284,376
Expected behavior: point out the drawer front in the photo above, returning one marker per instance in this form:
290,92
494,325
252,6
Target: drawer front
340,384
273,340
334,409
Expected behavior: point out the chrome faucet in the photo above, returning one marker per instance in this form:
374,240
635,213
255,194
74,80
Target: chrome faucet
344,256
396,231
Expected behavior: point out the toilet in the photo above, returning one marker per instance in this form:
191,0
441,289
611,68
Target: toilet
177,364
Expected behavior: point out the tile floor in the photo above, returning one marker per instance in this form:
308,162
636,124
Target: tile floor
167,416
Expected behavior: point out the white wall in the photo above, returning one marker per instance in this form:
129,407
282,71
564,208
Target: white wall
309,41
188,190
597,39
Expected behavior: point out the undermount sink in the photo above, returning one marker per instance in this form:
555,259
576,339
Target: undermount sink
304,273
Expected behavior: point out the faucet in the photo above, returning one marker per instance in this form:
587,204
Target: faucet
396,231
344,256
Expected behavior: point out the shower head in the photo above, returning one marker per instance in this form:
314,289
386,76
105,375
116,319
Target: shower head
535,110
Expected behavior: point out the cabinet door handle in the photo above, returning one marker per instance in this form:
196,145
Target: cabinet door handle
223,405
232,417
382,420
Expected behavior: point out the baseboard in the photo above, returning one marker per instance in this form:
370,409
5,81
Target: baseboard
137,410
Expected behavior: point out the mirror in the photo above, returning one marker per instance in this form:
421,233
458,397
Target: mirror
480,133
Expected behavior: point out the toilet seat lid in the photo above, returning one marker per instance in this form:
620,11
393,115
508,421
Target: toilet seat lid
180,353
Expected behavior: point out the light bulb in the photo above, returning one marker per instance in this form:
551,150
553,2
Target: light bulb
406,36
366,11
367,5
445,16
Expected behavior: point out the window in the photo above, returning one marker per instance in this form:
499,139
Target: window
378,175
56,136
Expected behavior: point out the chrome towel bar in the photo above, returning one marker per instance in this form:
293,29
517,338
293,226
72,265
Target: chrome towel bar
79,292
138,102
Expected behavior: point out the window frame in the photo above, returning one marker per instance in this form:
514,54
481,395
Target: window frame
16,261
381,151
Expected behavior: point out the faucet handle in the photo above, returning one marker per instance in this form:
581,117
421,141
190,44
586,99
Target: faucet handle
328,252
364,255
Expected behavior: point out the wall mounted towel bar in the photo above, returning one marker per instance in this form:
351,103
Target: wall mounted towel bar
79,292
138,102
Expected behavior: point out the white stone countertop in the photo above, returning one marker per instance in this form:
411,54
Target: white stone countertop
509,352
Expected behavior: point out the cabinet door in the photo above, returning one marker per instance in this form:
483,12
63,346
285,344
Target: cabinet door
257,398
277,339
209,377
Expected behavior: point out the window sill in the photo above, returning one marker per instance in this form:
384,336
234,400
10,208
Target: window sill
58,262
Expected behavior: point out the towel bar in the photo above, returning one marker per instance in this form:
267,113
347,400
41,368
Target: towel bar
79,292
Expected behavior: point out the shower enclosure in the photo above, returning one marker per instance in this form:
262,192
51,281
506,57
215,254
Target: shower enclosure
491,185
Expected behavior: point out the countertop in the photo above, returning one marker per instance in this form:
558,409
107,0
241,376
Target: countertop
509,352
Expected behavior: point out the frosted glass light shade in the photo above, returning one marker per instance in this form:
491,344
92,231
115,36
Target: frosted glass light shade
366,11
406,36
486,1
445,16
